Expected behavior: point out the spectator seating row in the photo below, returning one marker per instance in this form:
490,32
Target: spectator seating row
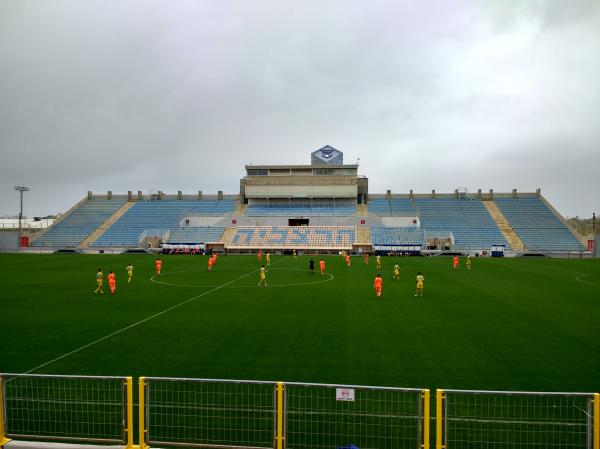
162,214
537,226
196,234
394,206
71,231
279,210
468,220
397,236
294,237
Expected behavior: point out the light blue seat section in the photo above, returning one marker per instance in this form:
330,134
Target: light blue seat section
468,220
395,206
194,234
396,236
162,214
537,226
283,210
294,236
79,224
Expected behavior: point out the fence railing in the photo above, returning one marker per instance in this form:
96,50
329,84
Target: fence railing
208,412
239,414
95,409
334,416
468,419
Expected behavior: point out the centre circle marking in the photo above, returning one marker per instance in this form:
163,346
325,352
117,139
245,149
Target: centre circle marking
330,277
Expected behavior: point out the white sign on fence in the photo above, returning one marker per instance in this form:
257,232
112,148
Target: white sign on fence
344,394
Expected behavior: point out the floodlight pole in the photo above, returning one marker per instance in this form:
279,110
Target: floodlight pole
21,189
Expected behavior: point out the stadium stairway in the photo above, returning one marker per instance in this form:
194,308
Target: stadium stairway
241,209
363,235
362,210
107,224
505,227
228,236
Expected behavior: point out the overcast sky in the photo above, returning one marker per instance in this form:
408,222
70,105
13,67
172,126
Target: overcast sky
179,95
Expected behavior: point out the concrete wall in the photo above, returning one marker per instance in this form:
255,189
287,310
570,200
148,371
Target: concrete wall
9,241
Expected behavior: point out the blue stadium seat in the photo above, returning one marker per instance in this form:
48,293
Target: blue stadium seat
163,215
394,206
468,220
306,210
71,231
537,226
396,236
294,237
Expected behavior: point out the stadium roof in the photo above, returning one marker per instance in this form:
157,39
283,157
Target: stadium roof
274,167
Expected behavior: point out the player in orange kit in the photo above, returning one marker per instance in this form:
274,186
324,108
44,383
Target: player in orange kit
348,260
322,266
210,264
378,285
158,265
112,282
455,261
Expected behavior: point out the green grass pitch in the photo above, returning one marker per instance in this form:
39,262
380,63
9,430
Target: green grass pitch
509,324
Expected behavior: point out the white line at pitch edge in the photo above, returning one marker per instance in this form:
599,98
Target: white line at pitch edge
112,334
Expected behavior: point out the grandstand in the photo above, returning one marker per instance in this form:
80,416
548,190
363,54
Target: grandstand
323,206
537,226
468,220
157,218
294,237
196,234
79,223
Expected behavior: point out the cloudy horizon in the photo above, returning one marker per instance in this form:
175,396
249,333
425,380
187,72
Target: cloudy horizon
180,95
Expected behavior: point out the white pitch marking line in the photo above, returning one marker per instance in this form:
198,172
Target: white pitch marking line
112,334
577,278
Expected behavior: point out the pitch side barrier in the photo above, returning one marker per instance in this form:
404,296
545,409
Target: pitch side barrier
504,419
220,413
75,409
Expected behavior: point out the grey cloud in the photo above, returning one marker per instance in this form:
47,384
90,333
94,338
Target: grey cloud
180,95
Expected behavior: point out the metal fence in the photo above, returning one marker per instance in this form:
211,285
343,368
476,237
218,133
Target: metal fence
254,414
333,416
66,408
506,419
208,412
239,414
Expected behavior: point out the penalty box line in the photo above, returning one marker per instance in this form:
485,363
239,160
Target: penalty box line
137,323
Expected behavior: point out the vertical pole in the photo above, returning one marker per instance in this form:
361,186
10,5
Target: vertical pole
20,217
596,421
438,419
425,444
3,439
129,429
280,415
141,413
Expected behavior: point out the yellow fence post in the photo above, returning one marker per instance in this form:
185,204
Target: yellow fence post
129,429
280,437
438,419
425,395
596,421
3,439
142,416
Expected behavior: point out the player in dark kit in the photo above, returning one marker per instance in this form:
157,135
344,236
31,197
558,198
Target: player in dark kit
311,267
